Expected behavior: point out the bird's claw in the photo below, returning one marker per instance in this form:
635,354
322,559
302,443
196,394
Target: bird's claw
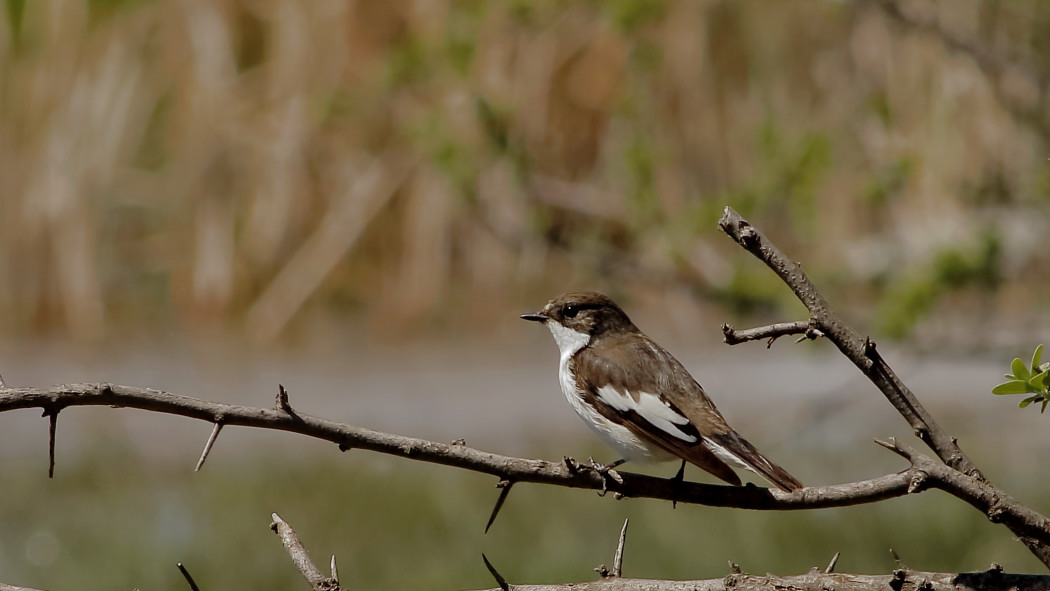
607,473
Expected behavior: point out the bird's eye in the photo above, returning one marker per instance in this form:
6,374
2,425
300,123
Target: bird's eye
570,311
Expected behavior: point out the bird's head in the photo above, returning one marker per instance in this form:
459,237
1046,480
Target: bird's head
575,318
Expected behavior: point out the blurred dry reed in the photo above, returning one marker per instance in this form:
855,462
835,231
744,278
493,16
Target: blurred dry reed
235,163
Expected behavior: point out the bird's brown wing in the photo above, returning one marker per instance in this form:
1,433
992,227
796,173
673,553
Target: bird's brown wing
639,365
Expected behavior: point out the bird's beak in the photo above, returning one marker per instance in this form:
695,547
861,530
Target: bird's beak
537,317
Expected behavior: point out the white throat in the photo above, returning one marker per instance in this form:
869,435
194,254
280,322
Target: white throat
569,341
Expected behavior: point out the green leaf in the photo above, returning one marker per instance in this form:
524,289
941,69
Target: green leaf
1038,381
1036,357
1031,399
1019,369
1011,387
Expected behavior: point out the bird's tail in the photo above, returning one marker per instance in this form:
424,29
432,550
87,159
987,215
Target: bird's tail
733,448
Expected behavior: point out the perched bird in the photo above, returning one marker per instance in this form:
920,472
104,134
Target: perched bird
638,398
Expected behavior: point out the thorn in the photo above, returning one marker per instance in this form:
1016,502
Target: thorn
897,559
459,441
495,574
505,486
51,429
207,446
335,571
831,565
770,341
186,575
281,403
734,568
618,557
3,385
890,444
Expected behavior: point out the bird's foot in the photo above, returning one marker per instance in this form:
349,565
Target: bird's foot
607,472
678,480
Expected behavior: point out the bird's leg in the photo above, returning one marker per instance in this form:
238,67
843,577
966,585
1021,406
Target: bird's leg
607,472
681,473
677,480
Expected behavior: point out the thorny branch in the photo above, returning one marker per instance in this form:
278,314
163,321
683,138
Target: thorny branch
863,353
994,579
925,472
301,558
900,579
512,470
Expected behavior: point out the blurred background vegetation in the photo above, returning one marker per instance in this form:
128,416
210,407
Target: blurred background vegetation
249,165
307,177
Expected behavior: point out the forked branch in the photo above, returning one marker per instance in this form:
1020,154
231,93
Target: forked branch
863,353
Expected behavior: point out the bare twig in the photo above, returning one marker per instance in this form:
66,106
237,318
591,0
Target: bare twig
855,348
208,445
998,506
189,578
770,333
863,354
5,587
301,558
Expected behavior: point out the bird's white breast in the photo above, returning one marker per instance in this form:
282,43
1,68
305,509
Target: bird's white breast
620,438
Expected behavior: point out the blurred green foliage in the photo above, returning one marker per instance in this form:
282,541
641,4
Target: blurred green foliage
911,297
626,127
1033,379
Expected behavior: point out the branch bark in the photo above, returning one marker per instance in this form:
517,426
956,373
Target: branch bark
301,558
862,352
992,580
565,473
925,472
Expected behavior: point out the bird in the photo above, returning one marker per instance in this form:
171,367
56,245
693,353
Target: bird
638,398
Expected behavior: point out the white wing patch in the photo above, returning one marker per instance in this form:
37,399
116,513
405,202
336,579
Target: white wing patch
651,408
619,437
728,457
